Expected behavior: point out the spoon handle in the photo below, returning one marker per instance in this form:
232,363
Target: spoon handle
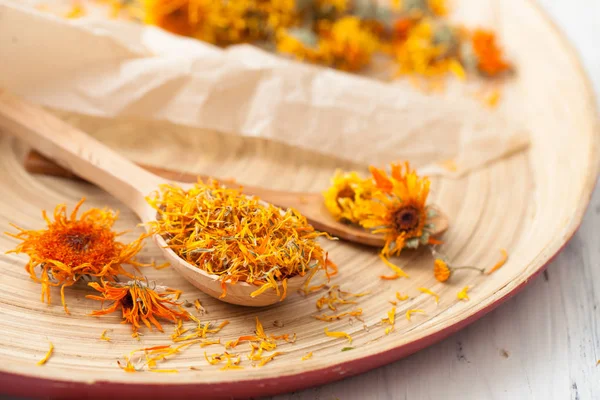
78,152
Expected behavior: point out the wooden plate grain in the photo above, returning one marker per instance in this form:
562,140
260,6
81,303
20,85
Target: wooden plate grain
530,203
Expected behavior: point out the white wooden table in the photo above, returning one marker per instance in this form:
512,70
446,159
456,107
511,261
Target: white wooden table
542,344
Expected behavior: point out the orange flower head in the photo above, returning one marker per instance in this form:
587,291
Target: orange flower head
72,247
399,208
489,55
139,303
441,271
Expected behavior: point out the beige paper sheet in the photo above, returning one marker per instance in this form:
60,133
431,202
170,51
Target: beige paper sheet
117,69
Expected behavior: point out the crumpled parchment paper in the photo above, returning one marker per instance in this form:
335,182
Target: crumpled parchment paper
108,68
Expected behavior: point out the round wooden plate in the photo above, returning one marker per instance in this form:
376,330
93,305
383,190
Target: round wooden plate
530,204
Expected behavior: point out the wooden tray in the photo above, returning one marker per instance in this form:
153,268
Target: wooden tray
531,204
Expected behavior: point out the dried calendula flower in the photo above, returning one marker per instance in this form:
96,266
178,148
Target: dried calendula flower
442,271
139,303
398,209
348,45
429,50
221,22
346,191
73,247
238,238
490,60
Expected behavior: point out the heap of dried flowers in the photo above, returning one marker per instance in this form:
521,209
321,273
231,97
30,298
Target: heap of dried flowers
342,34
236,237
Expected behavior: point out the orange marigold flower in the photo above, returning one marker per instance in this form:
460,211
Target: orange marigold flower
73,247
441,271
398,210
490,59
139,303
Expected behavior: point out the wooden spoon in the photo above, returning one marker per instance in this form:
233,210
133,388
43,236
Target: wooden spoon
308,204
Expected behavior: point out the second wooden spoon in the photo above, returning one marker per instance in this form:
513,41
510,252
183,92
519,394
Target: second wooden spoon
308,204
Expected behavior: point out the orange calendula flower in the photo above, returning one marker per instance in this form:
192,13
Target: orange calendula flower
427,49
398,209
347,190
441,271
73,247
490,60
139,303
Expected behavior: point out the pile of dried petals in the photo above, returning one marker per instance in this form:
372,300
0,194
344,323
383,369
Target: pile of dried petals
336,297
236,237
71,248
394,205
139,303
342,34
259,343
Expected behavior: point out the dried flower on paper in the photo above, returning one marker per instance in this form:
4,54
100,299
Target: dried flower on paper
346,44
221,22
429,49
73,247
490,60
139,303
341,34
238,238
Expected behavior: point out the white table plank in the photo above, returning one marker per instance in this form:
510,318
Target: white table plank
551,331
